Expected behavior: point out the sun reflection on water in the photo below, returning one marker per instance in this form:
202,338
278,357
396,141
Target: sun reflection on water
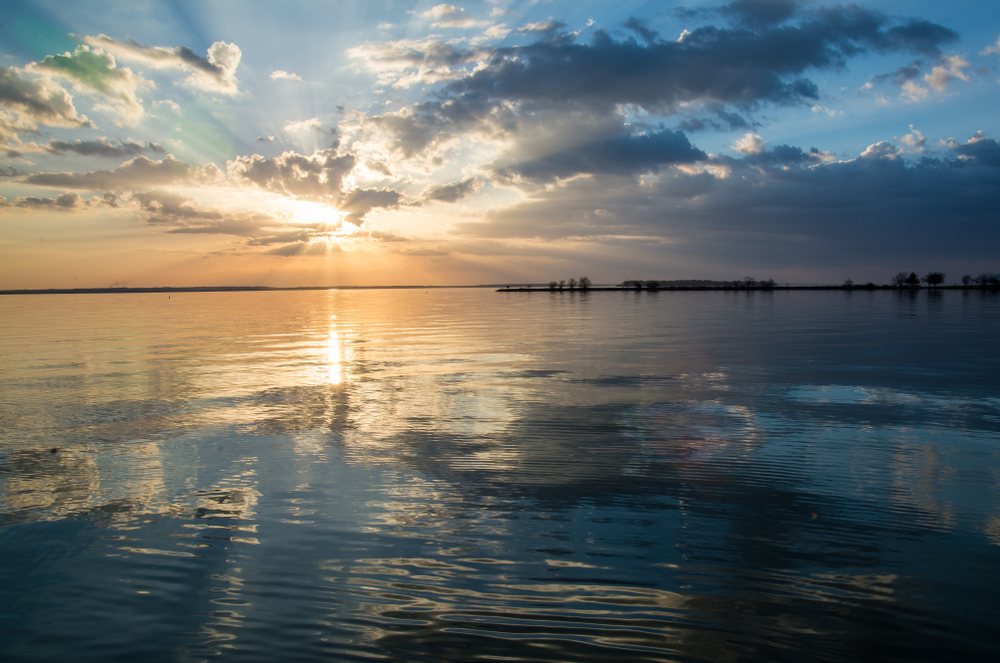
334,357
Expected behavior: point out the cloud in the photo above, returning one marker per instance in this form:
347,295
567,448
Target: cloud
979,149
214,73
542,26
620,155
782,207
948,71
450,16
995,48
913,92
319,176
915,141
760,13
280,74
96,71
135,174
451,193
312,124
24,104
749,144
102,147
64,202
265,139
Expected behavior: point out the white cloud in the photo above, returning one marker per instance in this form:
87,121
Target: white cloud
941,76
991,49
450,16
915,141
881,150
823,109
281,74
913,92
96,71
749,144
312,124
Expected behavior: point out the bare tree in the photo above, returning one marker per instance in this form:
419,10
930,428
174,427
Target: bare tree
750,281
899,280
553,285
849,284
966,280
562,283
584,283
572,283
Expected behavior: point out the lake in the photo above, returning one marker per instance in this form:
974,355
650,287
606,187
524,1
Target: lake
460,474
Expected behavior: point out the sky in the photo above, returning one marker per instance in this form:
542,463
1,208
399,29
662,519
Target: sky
213,143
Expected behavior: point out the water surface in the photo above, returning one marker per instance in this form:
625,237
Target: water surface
415,475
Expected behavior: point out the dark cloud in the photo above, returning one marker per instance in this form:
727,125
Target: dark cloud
734,66
451,193
779,207
640,27
980,149
901,75
760,13
137,173
621,155
102,147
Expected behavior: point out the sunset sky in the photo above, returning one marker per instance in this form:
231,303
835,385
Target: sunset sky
324,143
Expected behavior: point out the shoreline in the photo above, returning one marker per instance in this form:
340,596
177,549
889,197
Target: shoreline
529,289
689,288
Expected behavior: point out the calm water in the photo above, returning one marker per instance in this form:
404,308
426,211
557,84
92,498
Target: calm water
468,475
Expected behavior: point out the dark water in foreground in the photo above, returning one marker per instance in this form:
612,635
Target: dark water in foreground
467,475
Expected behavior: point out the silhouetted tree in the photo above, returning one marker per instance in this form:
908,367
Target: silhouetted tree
966,280
572,283
653,285
750,281
899,280
584,283
768,284
985,279
553,285
562,283
849,284
913,280
933,279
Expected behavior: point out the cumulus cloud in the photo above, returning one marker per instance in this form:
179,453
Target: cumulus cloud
979,149
949,70
995,48
749,144
25,103
915,141
214,73
137,173
319,176
280,74
96,70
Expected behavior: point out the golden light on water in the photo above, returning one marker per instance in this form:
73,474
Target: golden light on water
334,357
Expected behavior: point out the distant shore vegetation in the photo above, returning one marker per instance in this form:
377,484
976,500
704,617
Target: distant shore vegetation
900,281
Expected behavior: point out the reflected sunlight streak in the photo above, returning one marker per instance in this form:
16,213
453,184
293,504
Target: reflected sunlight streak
334,358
